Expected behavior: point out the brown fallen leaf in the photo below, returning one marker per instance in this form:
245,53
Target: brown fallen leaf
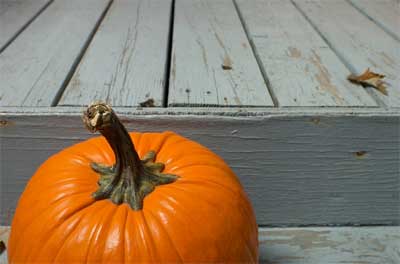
2,246
148,103
369,78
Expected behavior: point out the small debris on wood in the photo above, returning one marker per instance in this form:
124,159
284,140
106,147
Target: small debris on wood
148,103
369,78
360,154
227,64
2,247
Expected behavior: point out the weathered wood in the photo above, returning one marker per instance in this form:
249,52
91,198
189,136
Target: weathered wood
330,245
358,41
125,63
301,68
316,245
34,67
15,15
385,13
212,61
298,168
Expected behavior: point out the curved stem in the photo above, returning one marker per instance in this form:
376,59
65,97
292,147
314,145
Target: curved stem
129,179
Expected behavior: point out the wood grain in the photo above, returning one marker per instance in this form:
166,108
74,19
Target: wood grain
298,168
358,41
125,63
301,68
34,67
15,15
212,61
315,245
385,13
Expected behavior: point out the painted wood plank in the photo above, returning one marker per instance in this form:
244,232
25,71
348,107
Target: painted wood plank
358,41
298,168
302,70
34,67
385,13
316,245
15,15
126,62
208,36
330,245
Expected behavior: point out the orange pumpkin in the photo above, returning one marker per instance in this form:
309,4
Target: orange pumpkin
180,203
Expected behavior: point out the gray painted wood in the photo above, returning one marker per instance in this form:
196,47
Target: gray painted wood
34,67
14,15
207,35
316,245
358,41
125,63
298,168
385,13
301,68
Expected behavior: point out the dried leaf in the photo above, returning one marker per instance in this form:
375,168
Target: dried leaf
148,103
2,246
369,78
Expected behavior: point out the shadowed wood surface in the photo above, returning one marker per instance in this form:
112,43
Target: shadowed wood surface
316,245
298,169
302,70
132,41
34,67
212,61
15,14
358,41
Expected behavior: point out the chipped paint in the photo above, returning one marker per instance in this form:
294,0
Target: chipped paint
294,52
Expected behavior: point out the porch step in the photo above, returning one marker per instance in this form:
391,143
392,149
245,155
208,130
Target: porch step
314,245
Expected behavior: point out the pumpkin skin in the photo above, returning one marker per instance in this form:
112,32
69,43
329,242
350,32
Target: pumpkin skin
204,216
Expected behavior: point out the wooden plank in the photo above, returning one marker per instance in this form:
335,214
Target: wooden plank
358,41
302,70
126,62
34,67
15,15
385,13
330,245
315,245
298,168
207,35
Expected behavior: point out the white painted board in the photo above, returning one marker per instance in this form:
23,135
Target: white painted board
125,63
385,13
207,35
34,67
358,41
15,14
301,68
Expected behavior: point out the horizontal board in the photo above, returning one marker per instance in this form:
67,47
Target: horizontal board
358,41
125,63
316,245
385,13
298,169
301,68
15,15
34,68
212,61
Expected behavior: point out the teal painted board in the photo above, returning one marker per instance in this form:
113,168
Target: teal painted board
126,62
358,41
15,15
34,67
212,60
301,68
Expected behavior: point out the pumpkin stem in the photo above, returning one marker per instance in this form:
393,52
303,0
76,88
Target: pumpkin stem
129,179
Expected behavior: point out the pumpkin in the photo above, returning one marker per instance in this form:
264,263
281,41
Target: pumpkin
97,201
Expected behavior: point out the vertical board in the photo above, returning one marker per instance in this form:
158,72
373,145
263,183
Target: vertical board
385,13
15,14
34,67
125,63
212,60
301,68
360,42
